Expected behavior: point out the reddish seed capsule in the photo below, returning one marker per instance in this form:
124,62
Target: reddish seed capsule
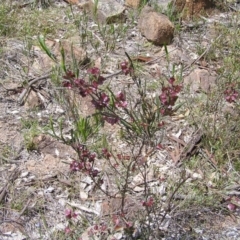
231,207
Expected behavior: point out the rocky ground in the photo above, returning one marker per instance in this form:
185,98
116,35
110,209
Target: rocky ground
194,176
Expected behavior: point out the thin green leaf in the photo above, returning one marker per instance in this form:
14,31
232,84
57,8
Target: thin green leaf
45,48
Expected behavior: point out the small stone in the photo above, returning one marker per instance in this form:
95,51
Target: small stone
40,193
162,189
139,189
57,152
14,112
164,198
133,34
32,100
156,27
49,190
118,235
199,231
197,176
98,206
138,179
87,180
24,174
59,110
32,177
210,184
83,195
62,202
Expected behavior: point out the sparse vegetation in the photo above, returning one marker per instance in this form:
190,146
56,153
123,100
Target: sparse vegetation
146,156
30,130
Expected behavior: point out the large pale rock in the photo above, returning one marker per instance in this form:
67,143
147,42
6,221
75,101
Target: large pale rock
73,1
49,165
107,11
72,51
156,27
190,8
82,4
48,145
163,4
104,11
133,3
137,3
200,80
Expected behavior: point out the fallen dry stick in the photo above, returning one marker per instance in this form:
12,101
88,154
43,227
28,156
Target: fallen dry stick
25,92
190,146
13,176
